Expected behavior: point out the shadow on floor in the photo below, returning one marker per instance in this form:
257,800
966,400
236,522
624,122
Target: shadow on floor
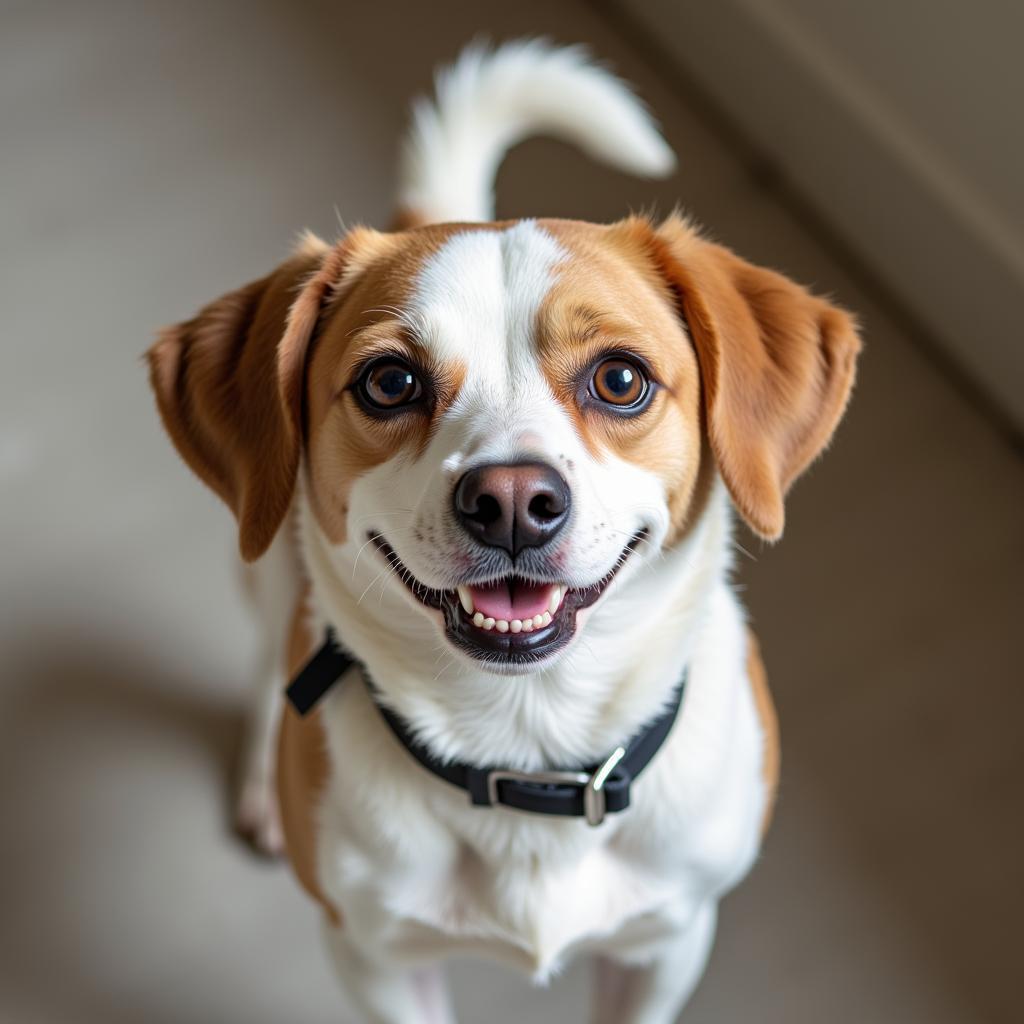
92,735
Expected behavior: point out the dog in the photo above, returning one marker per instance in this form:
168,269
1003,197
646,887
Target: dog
487,472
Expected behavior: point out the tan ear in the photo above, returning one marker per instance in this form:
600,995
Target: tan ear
229,381
777,365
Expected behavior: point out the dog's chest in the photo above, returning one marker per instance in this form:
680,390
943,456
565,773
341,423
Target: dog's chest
419,872
527,910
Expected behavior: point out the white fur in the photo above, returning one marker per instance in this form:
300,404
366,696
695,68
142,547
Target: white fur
488,101
418,872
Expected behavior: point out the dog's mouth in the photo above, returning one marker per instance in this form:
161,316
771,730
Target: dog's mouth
512,620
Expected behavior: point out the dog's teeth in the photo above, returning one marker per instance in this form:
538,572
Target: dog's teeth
486,622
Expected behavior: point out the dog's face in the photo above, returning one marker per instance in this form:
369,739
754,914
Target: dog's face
505,415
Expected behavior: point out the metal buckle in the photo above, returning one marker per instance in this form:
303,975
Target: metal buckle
594,803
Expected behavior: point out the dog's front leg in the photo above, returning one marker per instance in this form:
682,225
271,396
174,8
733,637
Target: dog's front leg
273,584
388,995
655,992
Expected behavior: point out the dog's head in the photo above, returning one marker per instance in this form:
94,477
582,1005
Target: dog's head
506,415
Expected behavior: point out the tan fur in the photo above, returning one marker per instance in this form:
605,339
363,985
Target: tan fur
215,381
772,762
303,769
610,295
777,365
229,386
343,442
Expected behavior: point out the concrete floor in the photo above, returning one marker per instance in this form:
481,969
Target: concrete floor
156,154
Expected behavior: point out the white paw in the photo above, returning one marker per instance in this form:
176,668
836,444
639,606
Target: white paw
258,818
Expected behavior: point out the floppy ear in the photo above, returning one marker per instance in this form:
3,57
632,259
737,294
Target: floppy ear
777,366
229,382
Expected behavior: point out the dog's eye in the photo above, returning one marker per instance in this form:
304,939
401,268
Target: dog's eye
619,382
389,385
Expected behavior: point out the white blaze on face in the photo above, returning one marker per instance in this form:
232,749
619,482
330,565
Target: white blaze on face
479,297
478,300
476,306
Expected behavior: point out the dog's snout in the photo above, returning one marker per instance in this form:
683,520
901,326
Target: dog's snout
513,506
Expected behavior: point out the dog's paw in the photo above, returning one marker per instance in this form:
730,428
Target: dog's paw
258,817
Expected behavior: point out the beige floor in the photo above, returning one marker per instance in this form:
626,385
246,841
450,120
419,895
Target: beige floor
156,154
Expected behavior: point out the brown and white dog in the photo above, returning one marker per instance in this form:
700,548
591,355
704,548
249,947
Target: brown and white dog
499,460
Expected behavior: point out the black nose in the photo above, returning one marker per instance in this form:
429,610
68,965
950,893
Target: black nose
522,505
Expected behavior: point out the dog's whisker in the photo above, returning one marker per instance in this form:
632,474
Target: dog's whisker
584,643
385,512
739,547
355,563
359,600
444,668
382,574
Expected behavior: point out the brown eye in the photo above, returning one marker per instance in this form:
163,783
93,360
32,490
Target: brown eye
389,385
619,382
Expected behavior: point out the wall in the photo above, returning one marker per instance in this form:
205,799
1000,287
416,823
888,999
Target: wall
901,124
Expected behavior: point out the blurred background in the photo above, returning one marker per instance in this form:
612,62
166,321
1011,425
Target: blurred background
155,154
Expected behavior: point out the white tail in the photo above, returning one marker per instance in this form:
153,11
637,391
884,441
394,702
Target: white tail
487,101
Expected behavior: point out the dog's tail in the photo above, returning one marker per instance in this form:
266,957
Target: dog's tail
489,100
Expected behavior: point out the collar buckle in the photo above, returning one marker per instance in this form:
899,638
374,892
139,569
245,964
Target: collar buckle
592,784
594,802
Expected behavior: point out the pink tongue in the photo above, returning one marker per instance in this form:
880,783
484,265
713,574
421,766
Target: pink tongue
524,602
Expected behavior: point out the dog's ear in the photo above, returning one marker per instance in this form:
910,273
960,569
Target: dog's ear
777,365
229,382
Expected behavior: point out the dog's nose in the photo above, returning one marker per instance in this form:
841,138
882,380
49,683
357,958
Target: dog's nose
514,506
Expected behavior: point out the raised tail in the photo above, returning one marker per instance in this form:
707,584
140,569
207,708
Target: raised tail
489,100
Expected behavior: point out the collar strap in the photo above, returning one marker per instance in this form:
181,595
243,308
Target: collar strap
590,792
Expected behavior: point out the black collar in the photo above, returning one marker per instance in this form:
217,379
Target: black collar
589,792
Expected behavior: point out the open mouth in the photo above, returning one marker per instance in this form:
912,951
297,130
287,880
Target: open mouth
509,620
